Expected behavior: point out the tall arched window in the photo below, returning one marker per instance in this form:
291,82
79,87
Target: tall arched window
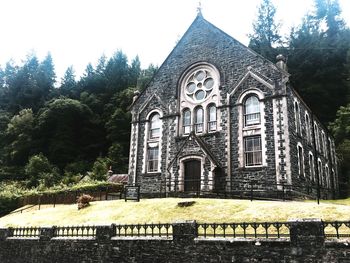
153,142
317,138
307,127
155,124
199,119
311,167
186,122
297,117
301,160
212,118
251,111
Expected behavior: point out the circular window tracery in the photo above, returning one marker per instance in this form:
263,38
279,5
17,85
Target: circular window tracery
199,85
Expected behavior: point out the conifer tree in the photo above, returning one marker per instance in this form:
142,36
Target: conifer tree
317,59
265,36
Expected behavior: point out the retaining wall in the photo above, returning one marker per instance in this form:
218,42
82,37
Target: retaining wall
307,243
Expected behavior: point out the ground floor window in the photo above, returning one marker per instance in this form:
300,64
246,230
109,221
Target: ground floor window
153,158
312,167
301,160
252,151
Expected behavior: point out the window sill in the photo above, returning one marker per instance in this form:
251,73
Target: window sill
255,167
252,127
151,173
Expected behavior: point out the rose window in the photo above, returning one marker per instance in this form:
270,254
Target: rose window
199,85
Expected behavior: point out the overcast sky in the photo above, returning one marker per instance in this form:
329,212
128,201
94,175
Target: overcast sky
77,32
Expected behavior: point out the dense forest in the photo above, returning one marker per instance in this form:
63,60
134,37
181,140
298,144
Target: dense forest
58,131
52,133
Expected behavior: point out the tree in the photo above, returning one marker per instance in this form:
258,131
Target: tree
67,132
39,170
29,86
265,36
330,12
100,169
68,83
19,134
46,76
4,121
117,72
341,131
135,71
317,60
145,76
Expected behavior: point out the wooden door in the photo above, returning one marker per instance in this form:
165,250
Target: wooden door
192,176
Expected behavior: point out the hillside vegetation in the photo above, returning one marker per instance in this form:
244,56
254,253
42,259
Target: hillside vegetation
167,211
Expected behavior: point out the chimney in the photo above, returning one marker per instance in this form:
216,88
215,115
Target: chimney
281,62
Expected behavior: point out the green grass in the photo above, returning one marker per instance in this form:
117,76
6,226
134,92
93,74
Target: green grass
167,211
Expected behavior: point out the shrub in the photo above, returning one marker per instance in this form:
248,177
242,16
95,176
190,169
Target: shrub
84,201
39,170
100,169
10,194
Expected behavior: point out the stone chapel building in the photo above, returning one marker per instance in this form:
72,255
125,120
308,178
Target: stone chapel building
219,118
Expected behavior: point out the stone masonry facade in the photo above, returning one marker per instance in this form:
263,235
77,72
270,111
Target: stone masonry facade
218,117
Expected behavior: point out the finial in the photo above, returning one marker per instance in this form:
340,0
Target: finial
199,8
281,62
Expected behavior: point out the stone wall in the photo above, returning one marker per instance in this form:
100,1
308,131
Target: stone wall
306,244
304,183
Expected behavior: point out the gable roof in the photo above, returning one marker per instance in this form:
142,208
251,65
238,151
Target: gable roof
198,22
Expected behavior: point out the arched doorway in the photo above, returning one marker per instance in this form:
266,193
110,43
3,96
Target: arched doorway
192,179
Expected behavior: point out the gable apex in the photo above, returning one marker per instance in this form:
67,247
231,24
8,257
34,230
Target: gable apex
255,75
190,40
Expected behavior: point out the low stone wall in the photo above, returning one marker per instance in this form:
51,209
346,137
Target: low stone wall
306,244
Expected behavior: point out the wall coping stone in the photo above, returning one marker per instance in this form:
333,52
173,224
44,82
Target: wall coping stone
147,238
242,240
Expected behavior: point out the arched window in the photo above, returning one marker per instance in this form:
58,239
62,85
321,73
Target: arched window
251,111
152,146
301,160
320,169
311,167
327,177
317,138
307,127
212,118
297,117
186,122
199,119
155,124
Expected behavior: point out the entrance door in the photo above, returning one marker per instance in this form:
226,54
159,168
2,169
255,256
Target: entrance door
192,176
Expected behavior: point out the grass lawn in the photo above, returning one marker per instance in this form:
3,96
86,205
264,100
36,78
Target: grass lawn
167,211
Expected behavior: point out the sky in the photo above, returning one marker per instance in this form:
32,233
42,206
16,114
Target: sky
78,32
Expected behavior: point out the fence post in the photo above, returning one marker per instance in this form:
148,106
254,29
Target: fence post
185,231
5,233
104,233
307,232
47,233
